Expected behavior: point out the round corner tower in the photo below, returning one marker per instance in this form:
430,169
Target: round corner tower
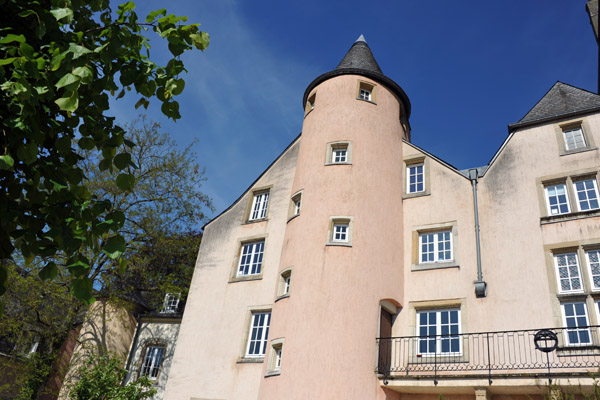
342,256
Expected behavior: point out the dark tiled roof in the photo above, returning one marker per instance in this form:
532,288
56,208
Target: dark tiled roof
360,57
561,100
360,61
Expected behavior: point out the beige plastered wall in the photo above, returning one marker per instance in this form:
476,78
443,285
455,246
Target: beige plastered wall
108,327
154,331
208,363
330,320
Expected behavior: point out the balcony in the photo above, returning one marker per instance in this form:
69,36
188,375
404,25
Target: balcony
508,358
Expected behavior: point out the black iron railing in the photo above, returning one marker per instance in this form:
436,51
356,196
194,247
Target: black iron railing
488,354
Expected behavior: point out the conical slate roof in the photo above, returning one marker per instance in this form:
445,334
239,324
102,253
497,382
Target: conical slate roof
561,100
359,60
360,57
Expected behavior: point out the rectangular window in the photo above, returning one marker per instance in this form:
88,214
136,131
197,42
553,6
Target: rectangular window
259,334
170,303
251,256
568,273
587,194
556,199
439,332
593,260
339,155
364,94
435,246
574,138
259,206
575,317
152,361
416,178
285,280
340,232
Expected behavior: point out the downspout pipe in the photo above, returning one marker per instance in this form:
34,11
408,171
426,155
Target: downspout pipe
480,284
132,349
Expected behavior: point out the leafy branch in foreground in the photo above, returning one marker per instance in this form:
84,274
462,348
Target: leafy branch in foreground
60,60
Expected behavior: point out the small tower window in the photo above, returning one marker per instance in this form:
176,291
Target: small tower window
310,104
339,153
366,91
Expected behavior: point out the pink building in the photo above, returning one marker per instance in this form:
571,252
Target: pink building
360,266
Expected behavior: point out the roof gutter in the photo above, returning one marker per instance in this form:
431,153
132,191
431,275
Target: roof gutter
480,284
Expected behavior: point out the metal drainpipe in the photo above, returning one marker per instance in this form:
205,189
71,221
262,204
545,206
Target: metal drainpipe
480,285
132,349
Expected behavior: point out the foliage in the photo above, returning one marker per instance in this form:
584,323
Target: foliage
100,379
60,60
166,203
39,312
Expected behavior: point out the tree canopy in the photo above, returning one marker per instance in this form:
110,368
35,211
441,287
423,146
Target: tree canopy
60,61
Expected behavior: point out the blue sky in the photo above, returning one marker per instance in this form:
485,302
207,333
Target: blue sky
469,69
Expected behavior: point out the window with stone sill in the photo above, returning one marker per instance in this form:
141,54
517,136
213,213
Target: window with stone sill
575,318
366,91
251,257
152,361
285,281
568,273
572,195
438,332
258,334
260,203
574,138
435,247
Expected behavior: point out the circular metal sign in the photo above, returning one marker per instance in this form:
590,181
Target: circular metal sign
545,340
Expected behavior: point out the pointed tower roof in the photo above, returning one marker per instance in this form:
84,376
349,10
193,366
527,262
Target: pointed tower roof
360,56
359,60
560,101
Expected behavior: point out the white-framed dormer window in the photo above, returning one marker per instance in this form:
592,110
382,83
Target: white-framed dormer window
152,361
557,199
170,303
593,262
435,246
574,138
258,334
259,206
439,332
586,191
251,257
568,273
415,181
575,318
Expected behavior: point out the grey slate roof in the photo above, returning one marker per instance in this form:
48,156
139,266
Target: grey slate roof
359,56
360,61
560,101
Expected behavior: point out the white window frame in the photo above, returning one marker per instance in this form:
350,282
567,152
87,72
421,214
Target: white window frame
593,265
565,273
340,232
440,338
170,303
259,206
586,192
285,279
576,328
436,243
558,204
409,174
251,258
571,135
258,334
154,356
364,94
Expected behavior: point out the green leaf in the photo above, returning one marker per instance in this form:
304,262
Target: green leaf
114,247
69,103
12,38
171,109
6,61
57,60
27,153
26,50
84,73
86,143
122,160
125,181
142,102
67,79
122,265
153,14
50,271
78,50
200,40
60,13
6,162
82,289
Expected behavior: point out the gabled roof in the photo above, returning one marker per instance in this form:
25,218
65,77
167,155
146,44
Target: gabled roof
561,100
359,60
